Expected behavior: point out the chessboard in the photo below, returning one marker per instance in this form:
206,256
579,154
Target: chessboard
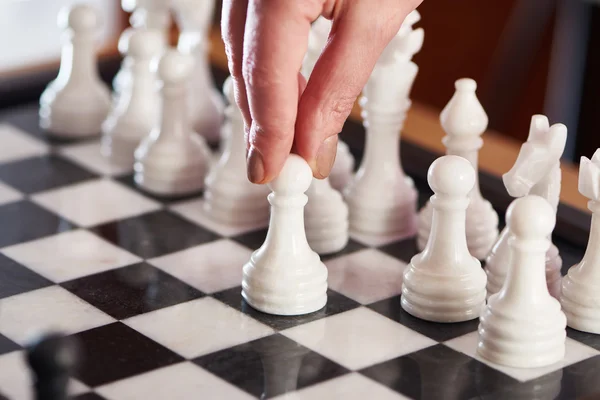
151,289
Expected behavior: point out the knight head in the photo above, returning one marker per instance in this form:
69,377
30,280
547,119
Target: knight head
538,155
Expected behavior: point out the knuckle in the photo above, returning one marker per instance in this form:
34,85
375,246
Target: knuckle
340,107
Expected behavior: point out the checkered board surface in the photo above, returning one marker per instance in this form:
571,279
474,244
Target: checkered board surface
151,289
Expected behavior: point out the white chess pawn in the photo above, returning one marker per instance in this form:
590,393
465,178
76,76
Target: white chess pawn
325,218
536,171
137,110
464,121
285,276
445,283
229,196
580,296
173,160
523,326
145,14
76,103
206,103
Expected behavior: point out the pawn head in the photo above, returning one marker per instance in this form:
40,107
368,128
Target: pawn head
145,43
295,177
451,175
175,67
80,18
530,217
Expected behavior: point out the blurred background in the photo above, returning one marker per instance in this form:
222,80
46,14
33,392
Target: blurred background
528,56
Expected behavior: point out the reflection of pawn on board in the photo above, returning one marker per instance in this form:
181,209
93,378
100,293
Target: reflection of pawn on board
464,121
76,103
229,196
285,276
522,325
445,283
53,360
536,171
135,112
173,160
580,296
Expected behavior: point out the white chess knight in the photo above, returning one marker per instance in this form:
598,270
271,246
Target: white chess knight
76,103
522,325
173,160
342,172
137,110
206,103
580,297
381,198
229,196
445,283
145,14
285,276
536,171
325,218
464,121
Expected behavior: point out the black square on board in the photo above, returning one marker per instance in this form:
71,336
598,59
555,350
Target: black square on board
42,173
403,250
154,234
113,352
252,240
132,290
438,372
23,221
392,309
88,396
7,345
336,303
18,279
589,339
270,366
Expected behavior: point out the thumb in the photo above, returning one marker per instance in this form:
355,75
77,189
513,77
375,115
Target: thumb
359,34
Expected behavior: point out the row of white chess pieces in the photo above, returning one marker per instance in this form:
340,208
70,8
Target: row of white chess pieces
151,130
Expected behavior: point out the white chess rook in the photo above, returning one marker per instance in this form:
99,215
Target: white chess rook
173,160
445,283
325,218
464,120
229,196
285,276
580,296
76,103
137,110
536,171
523,326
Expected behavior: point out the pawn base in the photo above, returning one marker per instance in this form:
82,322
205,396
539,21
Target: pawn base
71,123
579,305
169,188
329,245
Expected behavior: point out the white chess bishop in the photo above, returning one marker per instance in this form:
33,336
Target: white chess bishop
464,120
445,283
76,103
285,276
381,198
522,325
136,112
325,218
206,103
145,14
229,196
580,297
536,171
173,160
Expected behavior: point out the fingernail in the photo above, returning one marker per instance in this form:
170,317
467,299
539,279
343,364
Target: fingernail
326,155
256,167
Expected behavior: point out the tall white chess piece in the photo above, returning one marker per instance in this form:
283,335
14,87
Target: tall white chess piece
464,121
580,296
206,103
445,283
536,171
522,325
75,104
381,198
173,160
229,196
285,276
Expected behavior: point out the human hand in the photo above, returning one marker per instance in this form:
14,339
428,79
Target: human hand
265,42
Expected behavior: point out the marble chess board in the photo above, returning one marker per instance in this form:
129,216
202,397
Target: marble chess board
151,288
